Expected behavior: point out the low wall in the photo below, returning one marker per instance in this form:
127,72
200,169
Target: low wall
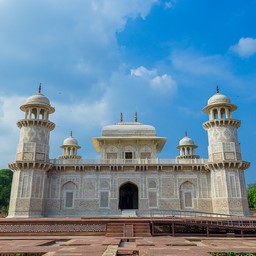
46,226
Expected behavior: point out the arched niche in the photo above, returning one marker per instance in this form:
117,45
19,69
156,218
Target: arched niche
187,195
68,194
128,196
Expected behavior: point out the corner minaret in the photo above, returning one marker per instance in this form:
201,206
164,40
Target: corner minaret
225,161
32,158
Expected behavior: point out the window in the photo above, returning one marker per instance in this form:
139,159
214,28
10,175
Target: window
104,199
187,194
34,113
69,200
215,114
128,155
152,199
41,114
223,113
188,199
68,193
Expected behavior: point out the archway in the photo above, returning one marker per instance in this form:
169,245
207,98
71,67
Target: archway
187,195
128,196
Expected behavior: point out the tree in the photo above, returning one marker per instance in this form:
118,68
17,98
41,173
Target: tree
251,191
5,188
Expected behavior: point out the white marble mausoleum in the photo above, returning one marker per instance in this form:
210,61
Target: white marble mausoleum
128,175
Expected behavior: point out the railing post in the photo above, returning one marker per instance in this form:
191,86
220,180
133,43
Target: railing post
173,229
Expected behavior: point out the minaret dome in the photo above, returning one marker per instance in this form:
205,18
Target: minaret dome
37,107
219,107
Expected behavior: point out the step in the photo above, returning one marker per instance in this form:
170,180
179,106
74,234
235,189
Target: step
129,213
128,229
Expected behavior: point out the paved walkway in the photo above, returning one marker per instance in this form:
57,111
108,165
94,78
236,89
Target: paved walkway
109,246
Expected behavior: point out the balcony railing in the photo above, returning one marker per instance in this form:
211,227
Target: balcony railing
127,161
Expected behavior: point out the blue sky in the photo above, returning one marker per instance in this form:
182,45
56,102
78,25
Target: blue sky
97,58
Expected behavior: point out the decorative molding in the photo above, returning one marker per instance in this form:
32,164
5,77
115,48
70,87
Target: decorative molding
53,228
24,165
36,122
221,122
242,165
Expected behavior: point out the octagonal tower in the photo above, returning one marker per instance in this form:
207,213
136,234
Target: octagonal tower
32,158
225,161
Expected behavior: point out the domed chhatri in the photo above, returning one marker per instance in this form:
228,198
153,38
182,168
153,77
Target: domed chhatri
186,141
217,100
70,141
37,100
70,147
187,148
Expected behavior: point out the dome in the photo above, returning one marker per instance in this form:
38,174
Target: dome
70,141
129,129
218,98
37,99
186,141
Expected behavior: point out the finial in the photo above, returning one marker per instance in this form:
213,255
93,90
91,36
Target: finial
217,89
121,117
136,117
186,134
39,88
71,134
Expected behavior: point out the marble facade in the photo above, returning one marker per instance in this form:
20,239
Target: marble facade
128,175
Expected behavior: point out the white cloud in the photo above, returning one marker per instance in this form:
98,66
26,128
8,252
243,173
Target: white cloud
163,82
73,41
73,48
169,4
196,64
159,83
83,116
143,72
9,111
9,132
245,47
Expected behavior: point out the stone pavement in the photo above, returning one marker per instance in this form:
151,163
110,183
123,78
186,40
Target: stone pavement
112,246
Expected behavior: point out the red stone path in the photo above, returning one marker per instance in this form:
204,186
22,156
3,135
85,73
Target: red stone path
108,246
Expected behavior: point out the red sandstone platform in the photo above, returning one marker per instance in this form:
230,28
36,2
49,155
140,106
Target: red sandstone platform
130,227
124,236
111,246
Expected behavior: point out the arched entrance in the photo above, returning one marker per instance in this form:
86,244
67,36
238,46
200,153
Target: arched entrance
128,196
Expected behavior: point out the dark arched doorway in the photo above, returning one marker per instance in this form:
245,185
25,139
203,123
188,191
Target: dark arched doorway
128,196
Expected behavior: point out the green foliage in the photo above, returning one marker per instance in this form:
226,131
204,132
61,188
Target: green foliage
251,191
5,188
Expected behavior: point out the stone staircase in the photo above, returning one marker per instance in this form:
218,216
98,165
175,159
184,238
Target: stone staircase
128,229
141,230
128,214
